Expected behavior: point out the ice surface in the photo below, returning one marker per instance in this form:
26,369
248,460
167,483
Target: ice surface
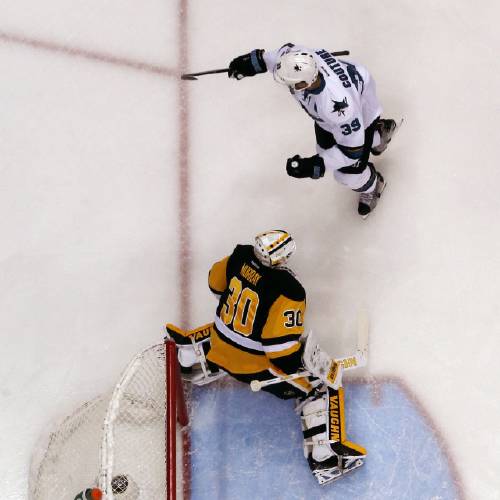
117,192
249,446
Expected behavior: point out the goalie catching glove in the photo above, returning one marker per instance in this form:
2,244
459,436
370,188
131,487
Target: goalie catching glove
320,364
300,168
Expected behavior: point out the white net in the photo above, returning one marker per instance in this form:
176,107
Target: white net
116,441
134,431
68,461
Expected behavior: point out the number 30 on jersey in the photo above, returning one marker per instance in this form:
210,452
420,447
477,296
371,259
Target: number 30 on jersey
293,318
240,307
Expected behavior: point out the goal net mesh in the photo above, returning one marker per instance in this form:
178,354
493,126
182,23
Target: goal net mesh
115,442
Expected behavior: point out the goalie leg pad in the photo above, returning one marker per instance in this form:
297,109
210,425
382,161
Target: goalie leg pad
188,356
188,337
314,427
328,452
192,347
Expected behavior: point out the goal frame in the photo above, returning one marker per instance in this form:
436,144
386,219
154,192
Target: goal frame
88,446
175,412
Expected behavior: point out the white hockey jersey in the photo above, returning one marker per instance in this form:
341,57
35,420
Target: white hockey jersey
345,104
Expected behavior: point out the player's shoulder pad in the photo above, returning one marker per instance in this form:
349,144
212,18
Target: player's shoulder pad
240,253
243,251
288,285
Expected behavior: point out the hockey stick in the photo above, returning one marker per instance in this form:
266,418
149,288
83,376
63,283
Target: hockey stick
348,363
257,385
362,338
193,76
357,360
360,358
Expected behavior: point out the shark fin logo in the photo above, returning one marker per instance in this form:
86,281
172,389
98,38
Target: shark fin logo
340,106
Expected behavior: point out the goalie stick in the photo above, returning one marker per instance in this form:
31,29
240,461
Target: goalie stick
193,76
357,360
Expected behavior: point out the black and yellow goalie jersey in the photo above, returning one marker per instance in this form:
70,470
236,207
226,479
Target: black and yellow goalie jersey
259,318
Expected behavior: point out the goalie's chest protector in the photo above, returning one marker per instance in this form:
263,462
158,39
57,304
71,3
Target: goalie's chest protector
250,321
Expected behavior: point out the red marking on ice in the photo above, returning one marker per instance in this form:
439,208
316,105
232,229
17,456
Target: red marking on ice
376,385
184,172
92,55
184,216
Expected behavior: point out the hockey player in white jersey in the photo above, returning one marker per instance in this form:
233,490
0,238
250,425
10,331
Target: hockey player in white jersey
340,97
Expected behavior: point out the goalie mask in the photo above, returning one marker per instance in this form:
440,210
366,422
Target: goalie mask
274,248
295,67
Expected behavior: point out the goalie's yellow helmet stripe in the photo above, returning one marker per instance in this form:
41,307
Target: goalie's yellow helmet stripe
279,242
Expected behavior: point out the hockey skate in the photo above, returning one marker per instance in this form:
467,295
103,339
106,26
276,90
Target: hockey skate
368,201
337,465
197,375
386,129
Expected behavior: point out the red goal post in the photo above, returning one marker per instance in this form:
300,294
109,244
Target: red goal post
123,442
176,411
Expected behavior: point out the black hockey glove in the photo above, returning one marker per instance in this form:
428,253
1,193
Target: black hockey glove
247,65
313,167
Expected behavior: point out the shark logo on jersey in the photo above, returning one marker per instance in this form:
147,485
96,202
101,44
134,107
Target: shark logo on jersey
339,106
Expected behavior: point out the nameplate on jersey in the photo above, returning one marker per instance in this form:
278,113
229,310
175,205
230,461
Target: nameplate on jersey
250,274
335,66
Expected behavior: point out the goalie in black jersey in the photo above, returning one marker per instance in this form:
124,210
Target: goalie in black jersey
257,337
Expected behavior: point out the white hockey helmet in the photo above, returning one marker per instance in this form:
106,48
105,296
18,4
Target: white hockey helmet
274,248
295,67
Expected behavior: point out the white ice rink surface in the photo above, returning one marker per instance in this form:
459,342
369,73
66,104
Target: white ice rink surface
91,150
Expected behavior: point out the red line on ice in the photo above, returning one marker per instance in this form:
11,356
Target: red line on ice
91,55
184,215
376,383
